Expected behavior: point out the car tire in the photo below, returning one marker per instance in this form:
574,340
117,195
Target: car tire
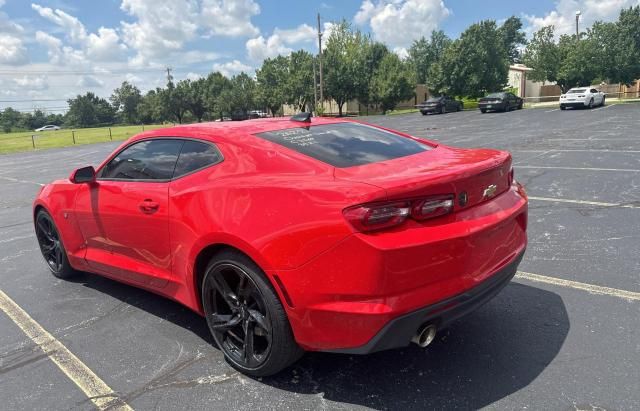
520,105
443,110
51,247
252,310
562,107
602,104
459,107
591,103
424,113
483,110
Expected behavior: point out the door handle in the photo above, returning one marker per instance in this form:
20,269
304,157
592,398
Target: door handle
149,206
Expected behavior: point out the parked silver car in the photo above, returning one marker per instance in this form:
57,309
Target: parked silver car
49,127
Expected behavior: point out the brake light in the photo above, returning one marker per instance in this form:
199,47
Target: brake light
431,207
378,216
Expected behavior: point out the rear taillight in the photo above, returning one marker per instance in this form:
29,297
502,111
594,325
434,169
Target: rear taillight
378,216
431,207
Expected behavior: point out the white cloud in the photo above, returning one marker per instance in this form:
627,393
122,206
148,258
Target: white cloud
232,67
89,82
33,82
103,46
12,48
162,27
279,42
563,17
230,18
398,22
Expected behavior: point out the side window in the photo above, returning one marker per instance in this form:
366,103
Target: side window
146,160
196,155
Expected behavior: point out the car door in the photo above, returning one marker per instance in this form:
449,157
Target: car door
123,216
597,96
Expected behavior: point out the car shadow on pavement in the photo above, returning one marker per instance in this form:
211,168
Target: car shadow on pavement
477,361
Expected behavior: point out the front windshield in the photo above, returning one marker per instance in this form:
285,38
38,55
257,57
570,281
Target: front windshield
496,95
434,99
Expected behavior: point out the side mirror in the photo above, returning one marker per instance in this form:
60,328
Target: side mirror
83,175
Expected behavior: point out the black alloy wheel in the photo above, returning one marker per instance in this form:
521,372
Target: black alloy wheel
51,246
591,103
246,318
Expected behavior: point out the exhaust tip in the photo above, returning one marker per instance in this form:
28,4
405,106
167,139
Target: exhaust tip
425,335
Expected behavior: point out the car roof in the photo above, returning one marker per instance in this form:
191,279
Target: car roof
234,131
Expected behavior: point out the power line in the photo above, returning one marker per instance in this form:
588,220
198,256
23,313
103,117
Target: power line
31,100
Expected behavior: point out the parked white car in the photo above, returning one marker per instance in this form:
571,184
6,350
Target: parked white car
579,97
49,127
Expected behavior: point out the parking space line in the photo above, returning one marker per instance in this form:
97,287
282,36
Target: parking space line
15,180
590,288
102,396
591,151
607,106
631,170
592,203
551,111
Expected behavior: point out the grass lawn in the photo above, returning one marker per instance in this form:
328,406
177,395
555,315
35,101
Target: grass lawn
21,141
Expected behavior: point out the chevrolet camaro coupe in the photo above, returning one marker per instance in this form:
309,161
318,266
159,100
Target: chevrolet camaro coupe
293,235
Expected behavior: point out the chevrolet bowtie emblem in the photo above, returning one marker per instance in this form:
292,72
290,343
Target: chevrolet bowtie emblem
490,191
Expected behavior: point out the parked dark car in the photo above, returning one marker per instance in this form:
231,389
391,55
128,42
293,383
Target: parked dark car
440,105
501,101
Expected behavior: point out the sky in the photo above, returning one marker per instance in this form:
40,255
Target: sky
52,50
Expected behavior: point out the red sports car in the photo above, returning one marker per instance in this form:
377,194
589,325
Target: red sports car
294,234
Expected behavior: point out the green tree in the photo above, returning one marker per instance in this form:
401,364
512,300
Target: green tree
424,53
174,99
343,64
299,82
196,97
271,87
239,97
578,65
151,109
10,119
543,56
391,83
512,38
473,65
215,86
89,110
126,99
373,54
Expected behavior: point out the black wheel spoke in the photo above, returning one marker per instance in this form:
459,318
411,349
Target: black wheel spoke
223,288
45,229
225,321
58,254
259,319
48,248
237,316
247,346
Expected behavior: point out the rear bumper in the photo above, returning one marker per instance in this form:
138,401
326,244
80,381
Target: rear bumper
491,106
399,331
574,104
426,110
346,296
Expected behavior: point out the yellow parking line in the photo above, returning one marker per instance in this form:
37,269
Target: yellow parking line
590,288
98,392
592,203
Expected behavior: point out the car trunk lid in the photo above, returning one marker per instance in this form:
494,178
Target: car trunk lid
473,176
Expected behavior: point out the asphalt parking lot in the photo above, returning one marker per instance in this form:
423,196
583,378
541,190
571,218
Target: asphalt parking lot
564,335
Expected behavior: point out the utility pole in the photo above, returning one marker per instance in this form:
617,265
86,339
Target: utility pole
578,13
320,61
315,89
169,76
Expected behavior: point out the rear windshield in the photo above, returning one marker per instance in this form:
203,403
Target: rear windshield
345,144
496,95
577,91
434,99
